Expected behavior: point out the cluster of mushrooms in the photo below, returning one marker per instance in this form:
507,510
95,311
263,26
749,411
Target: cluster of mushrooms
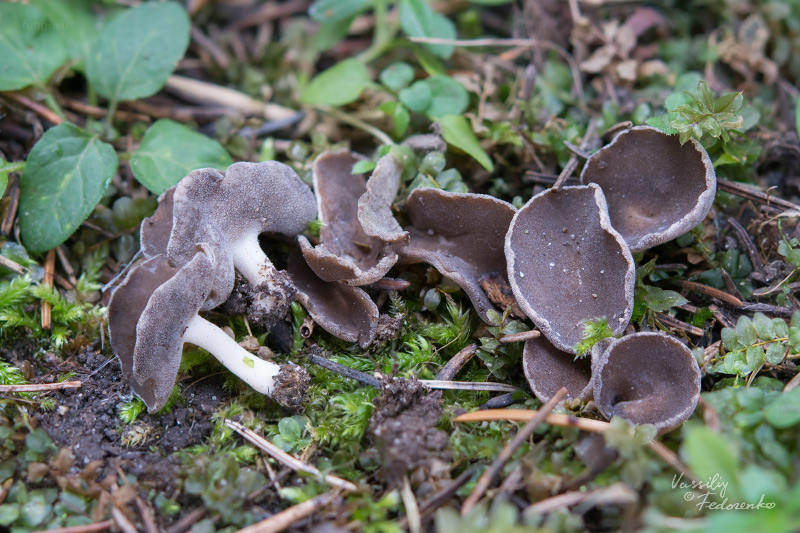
566,256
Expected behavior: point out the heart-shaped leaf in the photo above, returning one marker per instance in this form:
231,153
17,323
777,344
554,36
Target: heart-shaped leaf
67,173
137,51
170,150
339,85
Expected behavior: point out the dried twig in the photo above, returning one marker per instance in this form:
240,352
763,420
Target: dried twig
39,387
14,267
617,494
674,323
88,528
457,362
185,523
36,107
49,269
412,509
292,462
342,370
524,434
712,292
287,517
522,336
467,385
773,203
205,93
584,424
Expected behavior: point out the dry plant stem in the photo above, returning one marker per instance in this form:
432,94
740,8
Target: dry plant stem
572,164
749,246
584,424
64,262
773,203
357,123
343,370
210,46
49,269
269,12
783,312
99,112
185,523
712,292
16,268
12,193
279,455
412,509
36,107
122,521
793,383
287,517
88,528
147,516
530,43
616,494
457,362
522,336
204,93
39,387
524,434
467,385
182,113
674,323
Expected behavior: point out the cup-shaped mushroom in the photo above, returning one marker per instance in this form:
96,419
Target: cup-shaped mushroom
547,369
153,312
344,311
656,188
566,264
461,235
228,212
647,378
155,230
347,252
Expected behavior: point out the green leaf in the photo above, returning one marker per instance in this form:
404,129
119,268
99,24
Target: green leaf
362,167
661,300
67,173
448,97
417,97
456,131
775,353
661,123
755,357
397,75
418,19
74,19
30,49
783,412
745,331
170,150
339,85
337,10
330,33
9,513
764,328
729,339
728,103
137,51
708,454
490,2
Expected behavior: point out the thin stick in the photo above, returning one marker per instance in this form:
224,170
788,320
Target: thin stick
64,261
121,520
749,246
714,293
343,370
357,123
88,528
412,509
49,269
14,267
187,521
618,493
674,323
524,434
467,385
205,93
281,456
572,164
287,517
147,516
772,202
522,336
36,107
584,424
457,362
39,387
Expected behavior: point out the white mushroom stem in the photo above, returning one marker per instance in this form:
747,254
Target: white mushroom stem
251,261
254,371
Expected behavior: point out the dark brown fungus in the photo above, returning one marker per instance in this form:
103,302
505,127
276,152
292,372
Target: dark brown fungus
343,311
656,188
461,235
346,252
566,264
548,369
228,212
647,378
155,230
153,312
375,205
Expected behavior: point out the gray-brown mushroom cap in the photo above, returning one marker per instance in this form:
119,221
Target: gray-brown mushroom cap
566,264
656,188
155,303
346,252
461,235
155,230
375,205
344,311
647,378
547,369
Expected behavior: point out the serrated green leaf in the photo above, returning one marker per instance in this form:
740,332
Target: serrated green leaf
418,19
169,151
728,103
457,131
67,173
30,51
337,86
137,51
783,412
745,331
